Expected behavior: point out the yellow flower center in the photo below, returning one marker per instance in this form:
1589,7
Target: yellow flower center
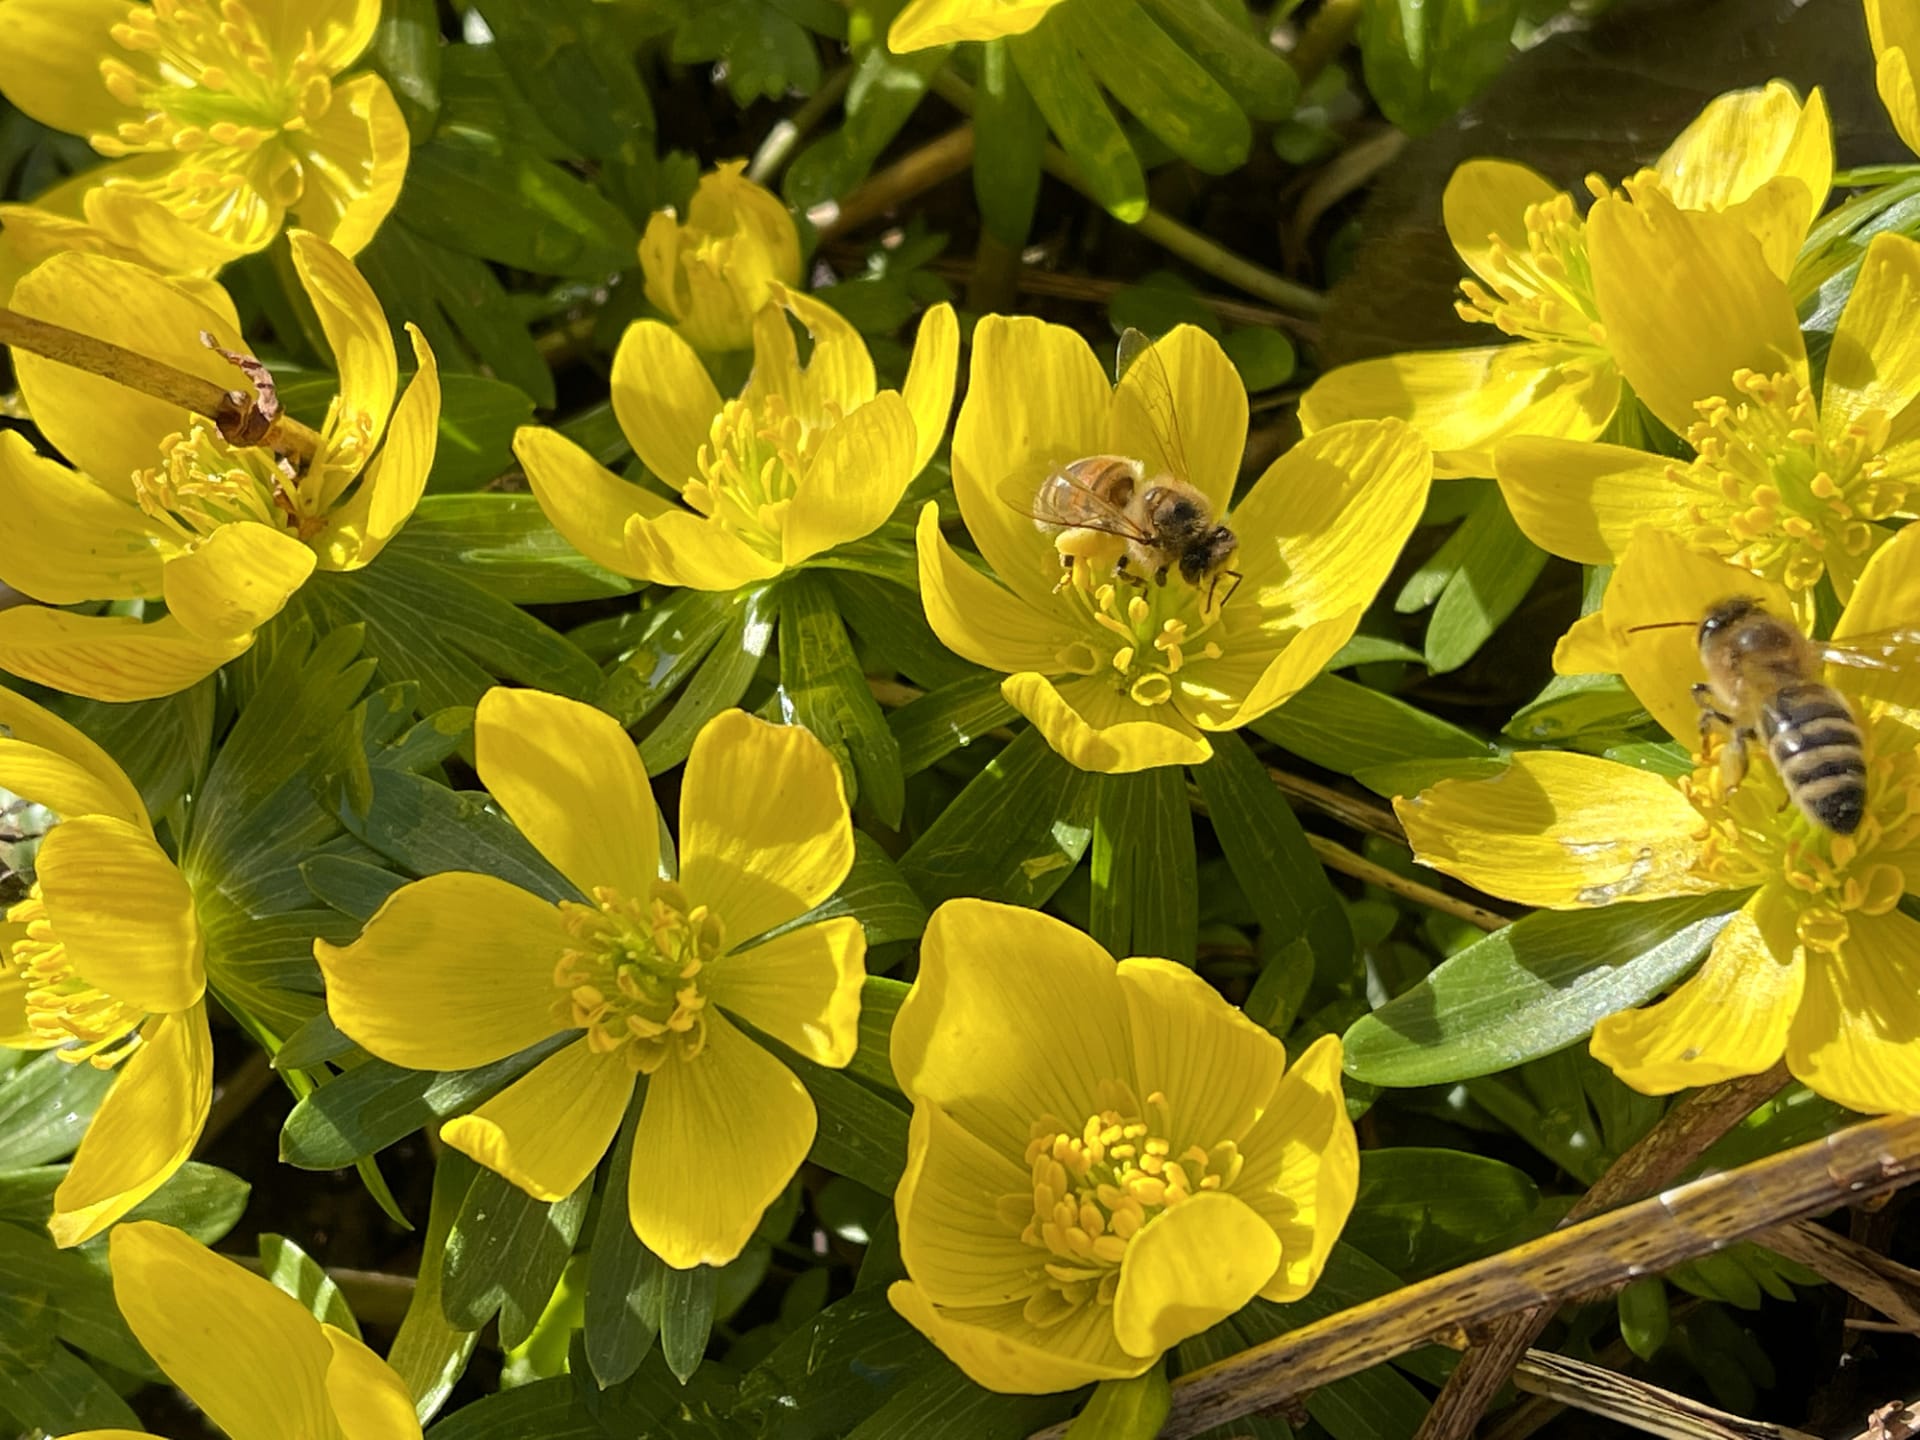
631,977
1776,496
750,468
1155,630
62,1008
206,83
203,482
1754,834
1546,291
1095,1189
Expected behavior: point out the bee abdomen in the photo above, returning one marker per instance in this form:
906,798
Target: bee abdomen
1817,748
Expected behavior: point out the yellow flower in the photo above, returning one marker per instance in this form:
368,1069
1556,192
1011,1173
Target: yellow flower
805,459
1757,155
1104,1159
942,22
80,214
159,506
230,116
716,271
459,970
1707,334
1121,677
104,960
1894,28
248,1354
1818,963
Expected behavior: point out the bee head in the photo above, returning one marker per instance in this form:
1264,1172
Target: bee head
1207,552
1728,613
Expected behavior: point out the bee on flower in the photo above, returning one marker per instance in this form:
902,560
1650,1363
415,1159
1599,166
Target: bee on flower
460,970
804,459
714,271
1123,672
222,121
1818,963
1104,1160
1759,157
159,505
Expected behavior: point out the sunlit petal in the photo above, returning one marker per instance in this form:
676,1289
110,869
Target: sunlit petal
70,540
1858,1028
547,1130
1194,1266
1583,502
586,502
853,481
928,390
235,580
1097,727
391,487
802,988
123,911
108,657
664,400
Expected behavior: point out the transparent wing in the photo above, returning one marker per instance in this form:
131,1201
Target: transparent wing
1893,649
1065,502
1145,396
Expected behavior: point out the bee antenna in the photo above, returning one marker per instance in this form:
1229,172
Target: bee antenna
1664,625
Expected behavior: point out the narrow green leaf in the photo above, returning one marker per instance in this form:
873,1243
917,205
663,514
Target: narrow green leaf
1077,113
569,61
1125,1409
203,1200
939,1403
505,1254
45,1105
1146,896
1255,75
862,1135
1420,1211
508,542
893,629
874,893
1497,565
880,1001
626,1282
718,684
1348,728
1169,91
1527,990
658,647
1009,139
886,89
428,1353
294,1271
686,1318
1644,1317
1424,61
828,693
356,888
951,718
49,1388
426,828
163,744
406,51
835,1369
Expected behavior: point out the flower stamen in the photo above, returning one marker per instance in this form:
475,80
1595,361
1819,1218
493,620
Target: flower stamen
63,1009
630,978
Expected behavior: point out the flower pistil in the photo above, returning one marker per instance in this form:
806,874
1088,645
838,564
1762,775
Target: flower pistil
632,976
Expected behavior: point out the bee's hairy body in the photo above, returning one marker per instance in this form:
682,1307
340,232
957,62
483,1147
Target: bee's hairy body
1169,523
1764,684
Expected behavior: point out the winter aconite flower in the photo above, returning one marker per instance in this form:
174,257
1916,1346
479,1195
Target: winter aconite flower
159,506
1121,675
1707,334
104,961
1759,156
1818,963
1894,28
459,970
229,116
1104,1159
807,458
712,272
248,1354
944,22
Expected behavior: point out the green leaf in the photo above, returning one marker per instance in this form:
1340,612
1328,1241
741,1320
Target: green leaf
1169,91
893,628
507,543
1350,729
426,828
356,888
659,646
880,1002
77,1294
939,1403
718,684
686,1318
626,1282
505,1254
203,1200
295,1272
935,724
572,65
835,1369
478,416
45,1104
874,893
1422,1211
1077,113
406,52
1531,988
1146,896
886,89
1010,138
1034,810
162,744
1265,359
1277,869
862,1135
1425,59
567,1407
1260,81
1644,1317
1575,705
1491,568
1125,1409
428,1353
765,54
827,690
49,1388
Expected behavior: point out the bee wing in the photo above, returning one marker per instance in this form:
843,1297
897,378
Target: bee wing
1146,392
1066,502
1897,648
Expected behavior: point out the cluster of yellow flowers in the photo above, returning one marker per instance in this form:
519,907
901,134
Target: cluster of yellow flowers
1105,1158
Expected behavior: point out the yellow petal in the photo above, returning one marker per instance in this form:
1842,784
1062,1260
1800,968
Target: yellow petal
1874,363
1687,299
1182,410
954,1240
765,834
1194,1266
356,158
369,1401
391,487
1014,1015
1097,727
66,787
1302,1168
50,65
731,1126
679,547
106,429
143,230
1894,29
716,271
235,580
1740,143
1728,1018
15,1032
124,912
1217,1068
338,30
452,972
71,541
547,1130
926,23
930,377
1587,648
357,334
838,374
664,400
143,1131
998,1348
1321,529
570,778
1467,401
1856,1038
983,622
111,792
1256,675
1887,597
586,502
1583,502
853,481
243,1351
802,988
1559,830
1485,208
108,657
1037,399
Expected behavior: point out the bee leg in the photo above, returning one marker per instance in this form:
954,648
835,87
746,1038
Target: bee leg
1733,759
1160,576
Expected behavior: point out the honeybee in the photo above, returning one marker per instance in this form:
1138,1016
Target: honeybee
1763,684
1142,516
